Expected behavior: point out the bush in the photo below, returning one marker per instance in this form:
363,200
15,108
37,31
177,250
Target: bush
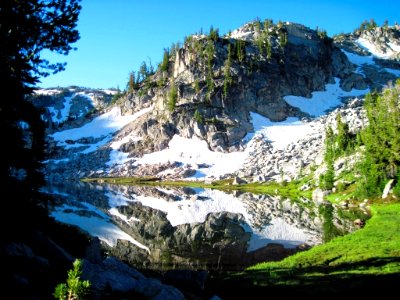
75,288
198,117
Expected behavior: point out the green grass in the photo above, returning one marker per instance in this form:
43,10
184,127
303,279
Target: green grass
286,189
363,263
375,249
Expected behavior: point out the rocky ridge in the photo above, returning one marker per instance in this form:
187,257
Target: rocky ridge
64,108
299,62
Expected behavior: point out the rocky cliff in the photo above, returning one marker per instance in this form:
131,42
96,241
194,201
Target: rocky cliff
210,89
220,80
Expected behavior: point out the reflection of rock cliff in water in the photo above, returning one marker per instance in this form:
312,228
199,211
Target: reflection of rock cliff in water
220,240
184,227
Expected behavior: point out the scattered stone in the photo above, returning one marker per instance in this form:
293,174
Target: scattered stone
359,223
389,185
237,180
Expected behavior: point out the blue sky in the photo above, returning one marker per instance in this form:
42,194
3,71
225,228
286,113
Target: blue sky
117,35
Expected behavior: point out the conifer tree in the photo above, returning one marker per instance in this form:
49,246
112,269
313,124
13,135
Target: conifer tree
131,82
165,61
227,72
382,141
27,28
75,288
343,137
172,97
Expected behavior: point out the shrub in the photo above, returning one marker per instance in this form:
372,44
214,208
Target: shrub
75,288
198,117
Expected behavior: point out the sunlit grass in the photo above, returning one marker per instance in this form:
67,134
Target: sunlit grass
286,189
373,250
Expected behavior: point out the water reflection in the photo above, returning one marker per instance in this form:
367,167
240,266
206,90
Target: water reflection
172,227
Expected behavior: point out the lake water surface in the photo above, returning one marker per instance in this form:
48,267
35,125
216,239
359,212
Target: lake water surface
150,226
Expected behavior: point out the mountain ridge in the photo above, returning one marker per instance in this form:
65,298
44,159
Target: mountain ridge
211,86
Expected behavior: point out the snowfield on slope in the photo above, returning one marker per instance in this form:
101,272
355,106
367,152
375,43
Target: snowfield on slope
196,151
323,101
60,116
101,127
391,48
360,60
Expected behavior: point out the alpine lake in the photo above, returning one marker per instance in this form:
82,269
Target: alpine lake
165,227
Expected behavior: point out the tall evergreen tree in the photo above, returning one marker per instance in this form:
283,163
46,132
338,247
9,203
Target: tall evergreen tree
382,141
26,29
132,82
165,61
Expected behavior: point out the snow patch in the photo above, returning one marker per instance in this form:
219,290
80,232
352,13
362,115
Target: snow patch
322,101
47,92
89,97
196,151
391,48
23,125
101,127
280,134
114,211
359,60
109,92
61,115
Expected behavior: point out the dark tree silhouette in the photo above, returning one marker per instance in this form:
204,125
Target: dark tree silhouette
26,29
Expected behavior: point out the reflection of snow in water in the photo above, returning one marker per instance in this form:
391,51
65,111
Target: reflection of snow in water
279,232
102,228
190,209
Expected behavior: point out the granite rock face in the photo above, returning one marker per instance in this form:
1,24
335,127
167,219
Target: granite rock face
210,87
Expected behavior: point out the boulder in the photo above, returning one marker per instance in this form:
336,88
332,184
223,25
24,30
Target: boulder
318,195
237,180
114,276
389,185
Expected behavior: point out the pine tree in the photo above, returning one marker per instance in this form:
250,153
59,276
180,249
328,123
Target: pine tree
27,29
240,49
214,34
268,48
131,82
282,38
75,288
172,97
227,72
326,181
165,61
382,141
196,85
